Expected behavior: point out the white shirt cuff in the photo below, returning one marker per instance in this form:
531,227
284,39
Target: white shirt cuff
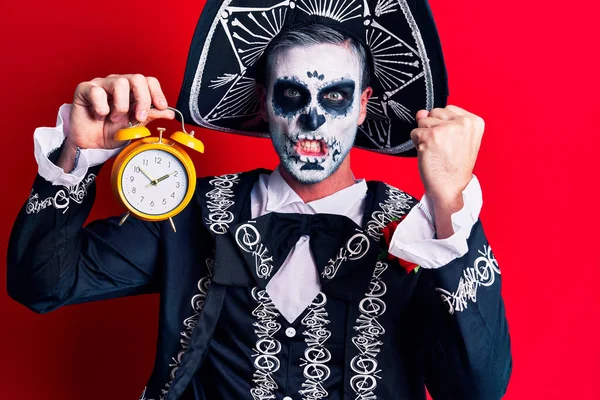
414,241
46,140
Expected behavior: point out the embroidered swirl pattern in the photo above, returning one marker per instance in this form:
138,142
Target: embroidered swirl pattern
219,202
248,239
267,347
395,205
481,274
62,198
189,324
367,341
316,355
354,249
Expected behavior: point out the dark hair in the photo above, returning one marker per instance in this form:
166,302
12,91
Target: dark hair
313,33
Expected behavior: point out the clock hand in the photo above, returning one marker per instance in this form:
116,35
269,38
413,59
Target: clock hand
162,178
152,180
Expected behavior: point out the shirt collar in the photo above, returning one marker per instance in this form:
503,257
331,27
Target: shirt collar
280,195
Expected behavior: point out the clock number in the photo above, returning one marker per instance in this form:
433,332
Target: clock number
144,162
142,199
157,160
178,185
136,169
175,173
173,195
164,202
151,204
131,178
169,164
133,190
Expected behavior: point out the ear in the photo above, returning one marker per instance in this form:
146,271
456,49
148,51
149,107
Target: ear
262,98
364,98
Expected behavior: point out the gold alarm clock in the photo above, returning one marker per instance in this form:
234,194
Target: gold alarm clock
154,178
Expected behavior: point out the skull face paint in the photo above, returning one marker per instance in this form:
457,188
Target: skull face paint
312,106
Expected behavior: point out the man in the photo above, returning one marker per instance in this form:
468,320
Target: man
292,292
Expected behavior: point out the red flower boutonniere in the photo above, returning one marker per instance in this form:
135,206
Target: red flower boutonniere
388,233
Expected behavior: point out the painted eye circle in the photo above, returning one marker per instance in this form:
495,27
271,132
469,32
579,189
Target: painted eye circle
291,93
334,96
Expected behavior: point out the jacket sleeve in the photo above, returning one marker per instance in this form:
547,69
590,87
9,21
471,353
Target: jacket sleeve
54,261
465,333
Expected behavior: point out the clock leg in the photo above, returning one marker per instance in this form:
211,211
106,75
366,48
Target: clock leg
172,224
124,218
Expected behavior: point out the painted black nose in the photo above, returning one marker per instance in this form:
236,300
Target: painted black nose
312,120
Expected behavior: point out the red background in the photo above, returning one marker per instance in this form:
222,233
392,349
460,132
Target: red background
528,68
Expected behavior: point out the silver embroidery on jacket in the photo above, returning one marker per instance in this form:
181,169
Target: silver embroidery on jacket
189,324
365,365
267,347
395,205
354,249
316,355
481,274
248,239
62,198
219,202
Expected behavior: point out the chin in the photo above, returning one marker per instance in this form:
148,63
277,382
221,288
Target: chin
306,177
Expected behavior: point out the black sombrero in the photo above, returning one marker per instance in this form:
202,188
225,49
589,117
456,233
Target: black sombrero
409,74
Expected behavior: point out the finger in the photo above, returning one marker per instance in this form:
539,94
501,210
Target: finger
118,88
443,114
141,96
421,114
458,110
158,97
88,94
99,101
419,137
430,122
469,118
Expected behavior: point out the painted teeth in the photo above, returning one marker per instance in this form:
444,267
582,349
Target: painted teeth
310,146
301,137
309,159
319,137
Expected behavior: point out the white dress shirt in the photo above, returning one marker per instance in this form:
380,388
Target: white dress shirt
297,283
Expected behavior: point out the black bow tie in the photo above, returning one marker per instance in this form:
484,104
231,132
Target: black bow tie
342,251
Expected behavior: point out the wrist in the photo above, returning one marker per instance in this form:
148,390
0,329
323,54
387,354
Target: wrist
67,160
443,210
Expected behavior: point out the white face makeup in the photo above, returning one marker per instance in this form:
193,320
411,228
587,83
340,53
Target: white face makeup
313,105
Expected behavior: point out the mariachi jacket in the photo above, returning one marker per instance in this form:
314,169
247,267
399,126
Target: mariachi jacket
374,332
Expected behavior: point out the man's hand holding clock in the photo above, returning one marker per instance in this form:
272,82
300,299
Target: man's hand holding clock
102,106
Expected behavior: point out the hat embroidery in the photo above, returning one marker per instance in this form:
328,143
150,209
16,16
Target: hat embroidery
239,33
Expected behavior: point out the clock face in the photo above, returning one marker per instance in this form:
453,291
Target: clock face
154,182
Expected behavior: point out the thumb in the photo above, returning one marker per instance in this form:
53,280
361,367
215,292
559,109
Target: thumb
422,114
159,114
